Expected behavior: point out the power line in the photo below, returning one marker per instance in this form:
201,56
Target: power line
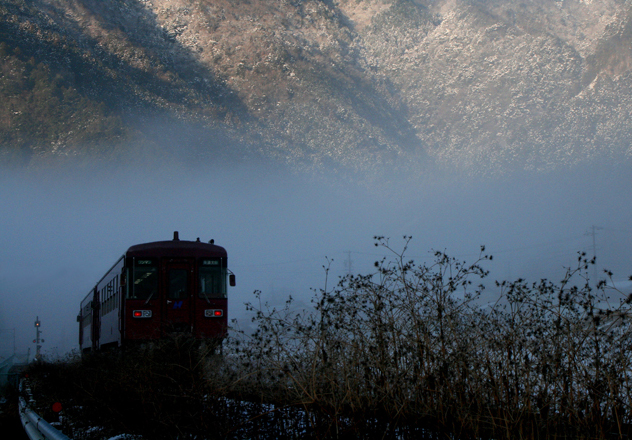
7,330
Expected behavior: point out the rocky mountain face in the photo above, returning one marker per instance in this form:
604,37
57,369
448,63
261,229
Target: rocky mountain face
353,84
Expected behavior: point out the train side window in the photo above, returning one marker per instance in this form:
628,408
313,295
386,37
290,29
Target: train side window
178,284
212,280
144,283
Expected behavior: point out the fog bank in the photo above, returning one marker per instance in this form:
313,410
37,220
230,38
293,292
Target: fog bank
63,228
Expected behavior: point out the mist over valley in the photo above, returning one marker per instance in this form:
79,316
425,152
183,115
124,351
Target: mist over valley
293,132
63,229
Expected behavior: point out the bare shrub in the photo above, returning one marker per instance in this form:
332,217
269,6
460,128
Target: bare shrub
407,351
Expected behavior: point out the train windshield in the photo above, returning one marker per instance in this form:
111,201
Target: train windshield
212,283
144,280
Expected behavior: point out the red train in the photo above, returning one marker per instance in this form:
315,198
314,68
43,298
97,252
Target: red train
156,289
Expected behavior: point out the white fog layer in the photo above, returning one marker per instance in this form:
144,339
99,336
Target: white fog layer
62,230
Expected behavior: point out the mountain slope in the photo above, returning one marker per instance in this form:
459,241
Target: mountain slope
357,84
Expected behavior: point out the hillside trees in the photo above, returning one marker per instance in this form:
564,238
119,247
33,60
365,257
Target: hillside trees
43,111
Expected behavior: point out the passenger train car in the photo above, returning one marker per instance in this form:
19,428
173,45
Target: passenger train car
156,289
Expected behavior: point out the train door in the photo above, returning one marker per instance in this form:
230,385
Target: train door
178,288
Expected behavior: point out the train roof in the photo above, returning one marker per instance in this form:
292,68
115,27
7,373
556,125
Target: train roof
176,248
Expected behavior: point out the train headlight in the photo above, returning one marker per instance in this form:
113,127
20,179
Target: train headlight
213,313
141,313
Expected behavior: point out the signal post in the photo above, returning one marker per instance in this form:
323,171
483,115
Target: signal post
37,339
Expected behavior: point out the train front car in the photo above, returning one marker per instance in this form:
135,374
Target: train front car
175,287
155,290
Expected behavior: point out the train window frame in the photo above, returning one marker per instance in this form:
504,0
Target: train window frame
134,282
217,265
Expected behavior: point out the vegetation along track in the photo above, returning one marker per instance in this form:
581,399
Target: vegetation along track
407,352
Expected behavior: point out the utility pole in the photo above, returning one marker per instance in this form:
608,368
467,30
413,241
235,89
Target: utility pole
593,232
37,339
349,263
